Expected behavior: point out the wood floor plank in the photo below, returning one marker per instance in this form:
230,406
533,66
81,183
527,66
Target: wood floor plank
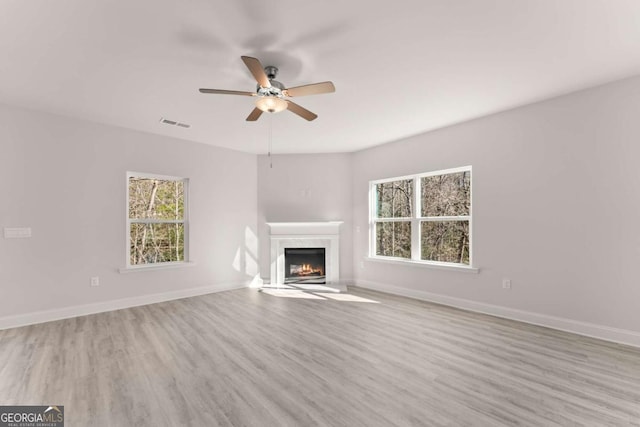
248,358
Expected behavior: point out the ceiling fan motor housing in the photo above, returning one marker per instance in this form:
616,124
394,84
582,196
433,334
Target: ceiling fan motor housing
271,71
276,87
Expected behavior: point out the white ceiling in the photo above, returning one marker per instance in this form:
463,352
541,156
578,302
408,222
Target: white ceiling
400,68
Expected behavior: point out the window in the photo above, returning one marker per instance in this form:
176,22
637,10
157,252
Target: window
157,226
424,218
394,211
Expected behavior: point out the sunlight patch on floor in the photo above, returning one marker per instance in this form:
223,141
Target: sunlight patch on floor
346,297
281,287
315,288
290,293
311,292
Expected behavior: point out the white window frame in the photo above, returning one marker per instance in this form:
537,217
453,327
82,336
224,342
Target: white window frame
184,221
417,219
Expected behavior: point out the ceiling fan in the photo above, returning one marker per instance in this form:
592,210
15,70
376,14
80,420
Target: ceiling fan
272,95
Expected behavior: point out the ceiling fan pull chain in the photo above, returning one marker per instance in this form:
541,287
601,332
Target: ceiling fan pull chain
270,140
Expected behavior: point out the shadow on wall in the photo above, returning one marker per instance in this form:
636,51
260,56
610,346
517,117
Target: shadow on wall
246,259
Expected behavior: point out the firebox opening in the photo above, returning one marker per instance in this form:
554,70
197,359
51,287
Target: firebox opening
304,265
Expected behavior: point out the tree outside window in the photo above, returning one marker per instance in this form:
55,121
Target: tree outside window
157,219
432,224
394,209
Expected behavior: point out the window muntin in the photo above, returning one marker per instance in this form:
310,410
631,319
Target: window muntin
156,219
440,232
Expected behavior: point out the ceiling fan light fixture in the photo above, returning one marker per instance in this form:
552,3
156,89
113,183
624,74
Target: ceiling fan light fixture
271,104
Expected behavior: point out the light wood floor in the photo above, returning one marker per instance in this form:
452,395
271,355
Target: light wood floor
247,358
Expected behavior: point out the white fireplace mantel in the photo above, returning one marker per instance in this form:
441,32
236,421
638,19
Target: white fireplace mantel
305,228
305,235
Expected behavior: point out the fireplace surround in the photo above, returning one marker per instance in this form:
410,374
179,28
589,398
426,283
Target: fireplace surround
316,235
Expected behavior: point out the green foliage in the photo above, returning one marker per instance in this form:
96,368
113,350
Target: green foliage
156,199
153,243
157,230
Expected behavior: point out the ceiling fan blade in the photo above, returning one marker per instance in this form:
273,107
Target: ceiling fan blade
312,89
257,70
302,112
255,115
227,92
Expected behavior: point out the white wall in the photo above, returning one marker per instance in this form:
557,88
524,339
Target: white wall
306,187
556,202
65,179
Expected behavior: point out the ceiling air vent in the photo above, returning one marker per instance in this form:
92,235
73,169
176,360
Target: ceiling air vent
174,123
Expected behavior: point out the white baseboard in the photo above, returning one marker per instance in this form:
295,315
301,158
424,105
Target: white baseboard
100,307
621,336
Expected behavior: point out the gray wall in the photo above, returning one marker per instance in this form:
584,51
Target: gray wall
66,179
555,207
306,187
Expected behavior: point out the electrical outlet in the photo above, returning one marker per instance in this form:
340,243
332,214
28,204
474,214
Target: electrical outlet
506,283
361,264
95,281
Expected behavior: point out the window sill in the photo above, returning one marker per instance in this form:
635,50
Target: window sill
153,267
425,264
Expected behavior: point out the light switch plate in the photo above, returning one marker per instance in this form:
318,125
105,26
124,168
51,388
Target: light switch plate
17,232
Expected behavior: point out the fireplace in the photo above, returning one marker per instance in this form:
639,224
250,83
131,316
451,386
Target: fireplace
312,236
304,265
